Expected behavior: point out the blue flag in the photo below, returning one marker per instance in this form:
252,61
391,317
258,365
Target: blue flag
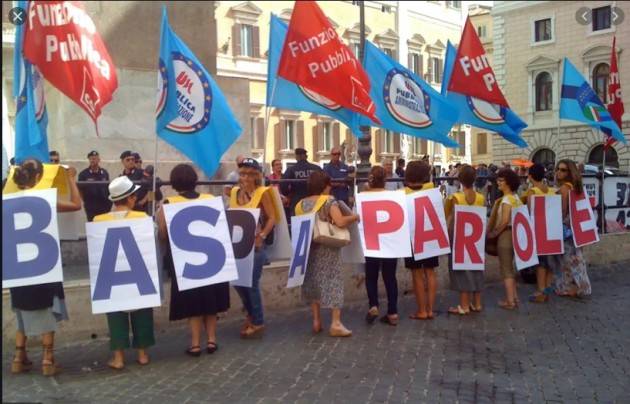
579,102
291,96
404,102
192,113
479,113
31,117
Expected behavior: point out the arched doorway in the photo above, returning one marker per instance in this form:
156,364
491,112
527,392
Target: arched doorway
544,156
596,156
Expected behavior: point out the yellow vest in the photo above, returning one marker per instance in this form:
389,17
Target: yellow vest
321,200
426,186
54,177
179,198
131,214
537,191
253,203
460,199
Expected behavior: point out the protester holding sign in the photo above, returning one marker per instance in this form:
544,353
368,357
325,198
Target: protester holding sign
251,194
418,178
38,308
199,305
469,284
508,183
544,276
571,278
123,193
323,281
387,266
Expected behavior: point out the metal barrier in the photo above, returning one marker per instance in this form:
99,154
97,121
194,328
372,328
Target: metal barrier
615,206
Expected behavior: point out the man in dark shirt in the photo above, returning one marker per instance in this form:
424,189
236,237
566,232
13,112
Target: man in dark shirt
128,160
400,168
95,196
295,191
336,169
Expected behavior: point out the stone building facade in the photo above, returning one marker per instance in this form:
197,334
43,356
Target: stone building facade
530,39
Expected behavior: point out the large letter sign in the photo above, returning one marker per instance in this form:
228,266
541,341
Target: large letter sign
546,219
583,223
302,233
384,227
469,238
242,224
123,265
428,224
523,239
200,243
30,239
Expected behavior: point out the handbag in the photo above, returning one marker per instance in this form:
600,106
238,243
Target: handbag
492,243
327,233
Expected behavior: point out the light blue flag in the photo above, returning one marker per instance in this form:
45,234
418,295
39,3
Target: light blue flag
479,113
289,95
579,102
192,113
404,102
31,117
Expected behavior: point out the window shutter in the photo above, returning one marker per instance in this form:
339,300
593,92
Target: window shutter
420,66
256,42
260,133
236,39
440,68
378,141
277,138
410,61
336,134
396,139
430,70
300,133
316,131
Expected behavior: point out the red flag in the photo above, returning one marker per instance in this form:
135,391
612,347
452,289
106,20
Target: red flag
615,102
472,74
61,40
314,57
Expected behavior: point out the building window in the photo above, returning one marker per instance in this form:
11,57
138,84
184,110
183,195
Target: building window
421,146
545,157
437,149
388,142
289,134
596,156
481,31
460,137
415,63
437,70
601,18
601,73
389,52
543,92
247,40
542,30
356,49
482,143
326,136
454,4
252,131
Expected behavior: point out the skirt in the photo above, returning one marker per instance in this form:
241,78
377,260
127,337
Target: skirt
204,301
427,263
464,281
506,254
37,322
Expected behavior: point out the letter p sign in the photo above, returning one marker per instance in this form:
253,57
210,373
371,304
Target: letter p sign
30,245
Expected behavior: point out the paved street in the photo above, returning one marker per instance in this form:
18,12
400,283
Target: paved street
567,351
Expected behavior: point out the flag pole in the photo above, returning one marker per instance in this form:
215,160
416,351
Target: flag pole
155,167
267,116
603,208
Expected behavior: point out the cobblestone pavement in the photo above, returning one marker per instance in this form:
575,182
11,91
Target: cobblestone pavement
566,351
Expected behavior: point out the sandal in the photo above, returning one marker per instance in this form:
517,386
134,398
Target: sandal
458,310
253,331
143,363
388,320
475,309
49,367
115,367
507,305
20,365
371,316
194,351
431,315
211,347
417,316
538,297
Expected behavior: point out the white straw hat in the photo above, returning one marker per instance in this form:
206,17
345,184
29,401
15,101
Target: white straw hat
121,187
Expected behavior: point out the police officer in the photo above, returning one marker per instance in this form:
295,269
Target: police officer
336,169
95,196
128,160
295,191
